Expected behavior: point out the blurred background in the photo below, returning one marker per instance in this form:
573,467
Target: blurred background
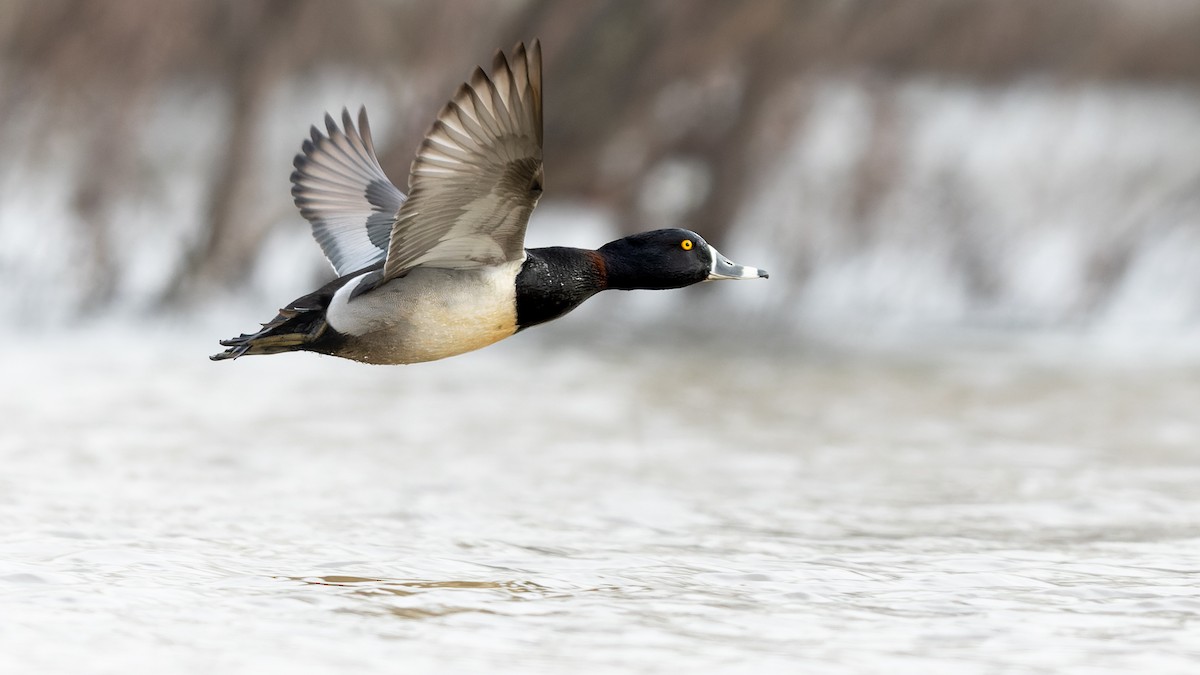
718,479
995,164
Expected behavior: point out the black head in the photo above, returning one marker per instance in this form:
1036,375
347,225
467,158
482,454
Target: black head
663,259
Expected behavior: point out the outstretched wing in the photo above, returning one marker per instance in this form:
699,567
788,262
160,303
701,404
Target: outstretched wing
478,173
341,189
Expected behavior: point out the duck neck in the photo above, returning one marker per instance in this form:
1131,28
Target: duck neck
556,280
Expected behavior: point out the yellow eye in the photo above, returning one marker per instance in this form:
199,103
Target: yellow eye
686,244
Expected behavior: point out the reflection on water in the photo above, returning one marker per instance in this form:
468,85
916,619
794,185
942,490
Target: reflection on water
383,590
395,587
620,507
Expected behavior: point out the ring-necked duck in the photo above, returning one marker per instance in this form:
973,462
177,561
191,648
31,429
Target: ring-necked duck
444,270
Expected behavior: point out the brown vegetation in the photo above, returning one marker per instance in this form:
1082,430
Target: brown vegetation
628,82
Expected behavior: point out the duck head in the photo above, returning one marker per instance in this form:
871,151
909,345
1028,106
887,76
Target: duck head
671,258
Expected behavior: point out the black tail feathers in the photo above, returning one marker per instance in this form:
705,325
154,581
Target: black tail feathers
295,328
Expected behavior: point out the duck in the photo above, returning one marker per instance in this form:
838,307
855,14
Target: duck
443,270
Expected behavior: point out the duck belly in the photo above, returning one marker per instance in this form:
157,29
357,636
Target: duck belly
426,315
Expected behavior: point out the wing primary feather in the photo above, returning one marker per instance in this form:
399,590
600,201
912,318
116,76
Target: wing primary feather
534,66
341,149
502,87
520,70
364,128
471,183
341,189
354,138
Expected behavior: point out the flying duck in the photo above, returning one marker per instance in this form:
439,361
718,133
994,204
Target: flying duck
444,270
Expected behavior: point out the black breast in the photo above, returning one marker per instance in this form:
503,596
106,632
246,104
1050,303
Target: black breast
555,280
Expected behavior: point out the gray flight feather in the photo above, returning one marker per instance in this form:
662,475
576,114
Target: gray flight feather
341,189
478,173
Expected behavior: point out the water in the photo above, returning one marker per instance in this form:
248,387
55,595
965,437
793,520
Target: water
595,506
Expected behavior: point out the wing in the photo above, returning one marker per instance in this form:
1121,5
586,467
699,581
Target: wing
478,173
341,189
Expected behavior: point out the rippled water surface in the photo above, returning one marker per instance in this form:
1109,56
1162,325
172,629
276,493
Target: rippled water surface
536,507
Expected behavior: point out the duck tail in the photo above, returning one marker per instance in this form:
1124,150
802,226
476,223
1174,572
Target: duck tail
294,329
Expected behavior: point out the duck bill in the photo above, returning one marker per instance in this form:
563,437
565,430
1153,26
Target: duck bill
724,268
